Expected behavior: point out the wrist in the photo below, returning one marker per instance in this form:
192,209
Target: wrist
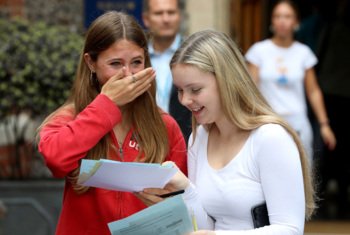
324,123
185,184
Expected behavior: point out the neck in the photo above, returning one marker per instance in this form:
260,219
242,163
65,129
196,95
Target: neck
160,44
225,129
122,129
283,41
125,123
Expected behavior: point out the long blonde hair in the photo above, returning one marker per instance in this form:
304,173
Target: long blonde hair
145,115
242,103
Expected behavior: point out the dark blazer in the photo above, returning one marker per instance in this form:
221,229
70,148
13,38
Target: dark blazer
181,114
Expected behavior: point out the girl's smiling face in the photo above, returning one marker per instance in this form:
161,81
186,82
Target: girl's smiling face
122,53
198,91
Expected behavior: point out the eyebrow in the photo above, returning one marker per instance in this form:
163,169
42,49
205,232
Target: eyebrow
134,58
192,84
188,85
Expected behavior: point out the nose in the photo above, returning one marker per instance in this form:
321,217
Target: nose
185,99
128,70
165,17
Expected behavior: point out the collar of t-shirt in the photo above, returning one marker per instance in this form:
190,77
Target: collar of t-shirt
173,47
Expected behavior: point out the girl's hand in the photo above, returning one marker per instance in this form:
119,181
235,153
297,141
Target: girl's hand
328,137
179,180
122,89
151,196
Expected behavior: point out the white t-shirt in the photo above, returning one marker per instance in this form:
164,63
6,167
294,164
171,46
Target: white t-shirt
282,73
267,169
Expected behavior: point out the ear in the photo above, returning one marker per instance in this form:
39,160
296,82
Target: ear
145,18
90,63
296,27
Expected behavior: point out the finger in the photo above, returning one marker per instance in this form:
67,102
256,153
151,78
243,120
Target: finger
139,91
119,75
170,163
144,200
170,187
149,198
142,76
142,86
155,191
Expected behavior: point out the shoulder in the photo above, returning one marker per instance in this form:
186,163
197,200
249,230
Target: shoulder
271,133
306,54
63,114
273,140
270,130
301,47
258,51
261,45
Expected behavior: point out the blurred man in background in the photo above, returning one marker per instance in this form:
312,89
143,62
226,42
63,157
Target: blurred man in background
163,19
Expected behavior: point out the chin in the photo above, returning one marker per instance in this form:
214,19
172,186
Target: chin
167,35
202,122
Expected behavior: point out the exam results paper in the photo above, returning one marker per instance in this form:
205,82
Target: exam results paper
169,217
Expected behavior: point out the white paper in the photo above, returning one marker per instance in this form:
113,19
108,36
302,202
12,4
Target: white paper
124,176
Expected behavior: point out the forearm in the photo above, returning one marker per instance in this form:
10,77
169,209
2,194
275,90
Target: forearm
315,97
66,139
196,209
318,107
274,229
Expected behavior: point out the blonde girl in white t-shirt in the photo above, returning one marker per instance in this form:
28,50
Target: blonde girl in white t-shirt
240,153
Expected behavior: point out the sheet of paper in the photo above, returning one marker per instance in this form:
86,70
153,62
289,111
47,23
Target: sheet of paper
87,169
124,176
169,217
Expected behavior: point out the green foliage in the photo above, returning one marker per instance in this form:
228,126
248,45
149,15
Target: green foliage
37,66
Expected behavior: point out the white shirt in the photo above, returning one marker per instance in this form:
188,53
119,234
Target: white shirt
267,169
282,73
160,62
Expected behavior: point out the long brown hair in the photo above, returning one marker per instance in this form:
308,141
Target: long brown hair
243,104
145,115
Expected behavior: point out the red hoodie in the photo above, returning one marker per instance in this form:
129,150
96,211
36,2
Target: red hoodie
65,140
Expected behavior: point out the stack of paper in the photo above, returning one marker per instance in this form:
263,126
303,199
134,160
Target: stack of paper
169,217
124,176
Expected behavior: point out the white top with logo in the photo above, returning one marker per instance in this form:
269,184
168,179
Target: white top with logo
282,74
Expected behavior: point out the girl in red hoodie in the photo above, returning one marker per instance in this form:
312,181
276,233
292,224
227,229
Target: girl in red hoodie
111,113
